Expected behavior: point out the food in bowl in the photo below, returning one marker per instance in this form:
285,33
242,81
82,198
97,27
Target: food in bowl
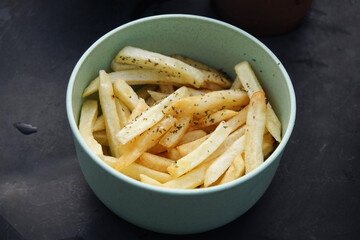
188,126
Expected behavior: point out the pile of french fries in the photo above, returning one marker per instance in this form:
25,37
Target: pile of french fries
186,126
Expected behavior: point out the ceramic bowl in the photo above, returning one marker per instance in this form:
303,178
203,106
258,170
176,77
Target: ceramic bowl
219,45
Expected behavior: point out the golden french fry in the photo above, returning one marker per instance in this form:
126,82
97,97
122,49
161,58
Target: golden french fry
192,136
100,137
195,63
273,124
236,170
116,67
173,136
146,179
215,118
107,102
236,84
251,85
255,127
144,142
99,124
123,112
143,91
154,162
191,179
89,111
140,107
223,99
204,150
197,92
134,170
125,93
157,149
223,162
172,66
157,96
150,117
174,154
188,147
268,145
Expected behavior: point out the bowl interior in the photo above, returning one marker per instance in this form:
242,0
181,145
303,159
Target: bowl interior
215,43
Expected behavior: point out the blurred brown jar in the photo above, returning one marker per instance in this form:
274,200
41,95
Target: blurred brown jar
263,17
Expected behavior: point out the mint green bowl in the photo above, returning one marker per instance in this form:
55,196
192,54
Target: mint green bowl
219,45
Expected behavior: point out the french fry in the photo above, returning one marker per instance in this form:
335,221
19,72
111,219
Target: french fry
157,96
273,123
150,101
154,162
136,77
116,67
192,136
100,137
268,145
107,102
173,136
174,67
144,142
125,93
236,84
196,64
123,112
251,85
174,154
197,156
157,149
214,118
187,148
255,124
146,179
236,170
99,124
140,107
223,99
150,117
134,170
197,92
88,116
191,179
223,162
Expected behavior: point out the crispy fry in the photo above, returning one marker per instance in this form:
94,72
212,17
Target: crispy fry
187,148
223,162
125,93
273,124
214,118
192,136
173,136
191,179
171,66
144,142
116,67
99,124
146,179
236,84
150,117
174,154
236,170
88,116
107,102
268,145
255,124
123,112
154,162
223,99
134,170
197,156
140,107
157,96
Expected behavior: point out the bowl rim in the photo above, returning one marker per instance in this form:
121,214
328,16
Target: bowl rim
198,191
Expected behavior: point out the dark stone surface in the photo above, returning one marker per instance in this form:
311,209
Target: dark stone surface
43,195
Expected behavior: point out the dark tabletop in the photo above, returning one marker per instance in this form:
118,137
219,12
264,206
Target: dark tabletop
315,193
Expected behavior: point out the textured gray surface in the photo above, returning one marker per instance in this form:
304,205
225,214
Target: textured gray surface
43,195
